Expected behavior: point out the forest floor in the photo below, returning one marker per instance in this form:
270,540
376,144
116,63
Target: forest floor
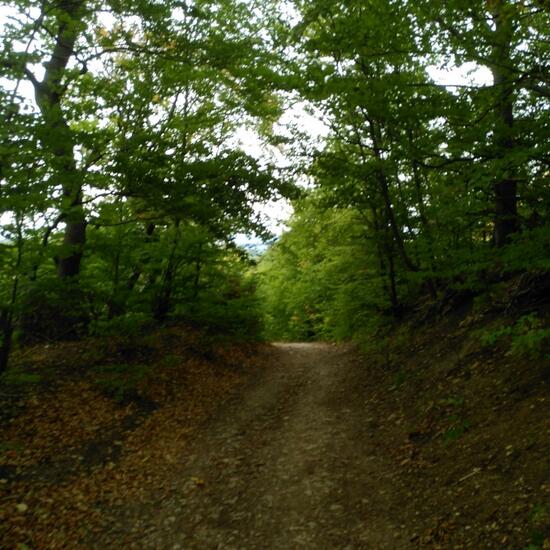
442,444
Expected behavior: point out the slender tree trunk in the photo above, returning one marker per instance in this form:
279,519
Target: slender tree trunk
506,216
425,226
390,215
196,278
114,306
117,304
383,185
138,270
385,192
6,332
7,312
387,272
162,304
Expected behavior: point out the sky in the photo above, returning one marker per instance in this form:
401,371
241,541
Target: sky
276,213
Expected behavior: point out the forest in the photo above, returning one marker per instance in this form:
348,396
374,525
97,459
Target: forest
141,139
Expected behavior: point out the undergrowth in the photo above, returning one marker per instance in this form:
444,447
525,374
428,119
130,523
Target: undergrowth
526,337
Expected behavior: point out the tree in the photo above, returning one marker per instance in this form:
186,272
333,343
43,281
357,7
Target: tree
508,38
131,133
449,180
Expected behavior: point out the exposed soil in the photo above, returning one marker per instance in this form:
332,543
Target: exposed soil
289,462
439,445
319,451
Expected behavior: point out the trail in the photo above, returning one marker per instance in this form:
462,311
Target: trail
288,462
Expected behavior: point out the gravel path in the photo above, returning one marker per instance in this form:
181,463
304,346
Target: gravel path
288,462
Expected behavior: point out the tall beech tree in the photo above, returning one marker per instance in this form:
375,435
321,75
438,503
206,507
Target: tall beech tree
508,38
131,124
56,135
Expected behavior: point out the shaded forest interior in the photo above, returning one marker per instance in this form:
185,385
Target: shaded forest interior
139,139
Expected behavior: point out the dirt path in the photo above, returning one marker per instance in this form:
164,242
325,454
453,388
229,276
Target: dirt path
286,463
441,444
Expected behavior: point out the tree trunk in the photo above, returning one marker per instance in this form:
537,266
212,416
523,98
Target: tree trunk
117,303
6,333
506,216
375,135
163,300
57,137
390,216
197,277
138,270
425,224
383,248
74,239
7,312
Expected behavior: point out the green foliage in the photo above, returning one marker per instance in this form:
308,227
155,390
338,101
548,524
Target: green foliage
457,423
529,250
528,337
130,325
237,318
51,309
539,519
123,179
458,427
447,184
121,381
16,377
317,282
540,514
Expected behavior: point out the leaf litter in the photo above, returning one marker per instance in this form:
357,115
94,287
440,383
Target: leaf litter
74,451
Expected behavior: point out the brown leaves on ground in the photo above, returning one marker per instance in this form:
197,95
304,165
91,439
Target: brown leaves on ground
74,451
467,430
464,428
57,424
